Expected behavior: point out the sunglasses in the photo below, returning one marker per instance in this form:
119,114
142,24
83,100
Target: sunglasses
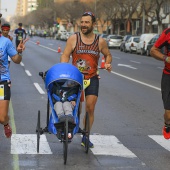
89,13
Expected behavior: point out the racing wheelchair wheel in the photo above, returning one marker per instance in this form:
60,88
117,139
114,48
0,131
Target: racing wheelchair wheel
38,129
87,132
65,141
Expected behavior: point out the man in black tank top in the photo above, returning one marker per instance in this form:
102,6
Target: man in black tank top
85,48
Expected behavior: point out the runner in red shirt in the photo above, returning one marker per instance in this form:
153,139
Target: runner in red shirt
85,47
164,42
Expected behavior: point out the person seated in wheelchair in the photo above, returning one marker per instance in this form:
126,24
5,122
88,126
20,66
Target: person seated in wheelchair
65,94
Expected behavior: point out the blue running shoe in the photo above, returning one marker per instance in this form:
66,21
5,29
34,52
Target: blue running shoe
83,142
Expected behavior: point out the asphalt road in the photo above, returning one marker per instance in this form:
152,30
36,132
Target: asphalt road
128,117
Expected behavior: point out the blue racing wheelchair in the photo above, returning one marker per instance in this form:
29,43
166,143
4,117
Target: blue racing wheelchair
54,79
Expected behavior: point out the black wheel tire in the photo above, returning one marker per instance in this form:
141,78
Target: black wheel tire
87,132
38,132
65,142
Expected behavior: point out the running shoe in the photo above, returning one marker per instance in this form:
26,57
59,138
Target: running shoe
7,131
83,142
166,133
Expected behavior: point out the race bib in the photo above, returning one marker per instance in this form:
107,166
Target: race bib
1,92
19,37
86,83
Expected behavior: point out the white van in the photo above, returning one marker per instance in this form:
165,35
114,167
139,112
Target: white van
143,42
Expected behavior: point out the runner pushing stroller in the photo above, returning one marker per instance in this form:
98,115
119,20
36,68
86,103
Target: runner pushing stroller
64,85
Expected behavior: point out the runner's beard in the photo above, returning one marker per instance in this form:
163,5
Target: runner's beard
89,30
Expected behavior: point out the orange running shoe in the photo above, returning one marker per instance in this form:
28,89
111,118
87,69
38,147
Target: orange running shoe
165,133
7,131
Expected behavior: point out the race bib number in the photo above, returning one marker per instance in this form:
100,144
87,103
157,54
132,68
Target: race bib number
19,37
86,83
1,92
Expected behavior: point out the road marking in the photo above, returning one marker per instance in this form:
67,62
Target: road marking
109,145
161,141
116,57
44,47
27,144
135,62
28,73
160,68
140,82
22,64
12,120
129,66
39,88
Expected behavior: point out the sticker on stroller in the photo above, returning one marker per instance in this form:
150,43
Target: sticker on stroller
2,92
86,83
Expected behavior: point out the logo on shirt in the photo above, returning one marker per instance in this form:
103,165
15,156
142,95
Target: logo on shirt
87,52
83,66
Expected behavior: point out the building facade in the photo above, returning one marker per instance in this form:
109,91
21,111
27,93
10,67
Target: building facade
25,6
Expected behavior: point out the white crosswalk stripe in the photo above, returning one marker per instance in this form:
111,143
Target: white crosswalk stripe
27,144
161,141
109,145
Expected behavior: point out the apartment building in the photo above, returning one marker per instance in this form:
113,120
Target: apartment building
25,6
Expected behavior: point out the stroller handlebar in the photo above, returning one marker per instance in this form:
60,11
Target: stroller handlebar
42,75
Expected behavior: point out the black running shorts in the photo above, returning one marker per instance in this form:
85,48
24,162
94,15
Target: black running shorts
165,89
5,90
17,43
93,88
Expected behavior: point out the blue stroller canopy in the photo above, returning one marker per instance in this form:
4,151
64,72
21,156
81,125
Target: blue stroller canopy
63,71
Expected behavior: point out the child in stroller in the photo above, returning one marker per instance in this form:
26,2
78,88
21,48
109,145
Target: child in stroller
64,84
65,96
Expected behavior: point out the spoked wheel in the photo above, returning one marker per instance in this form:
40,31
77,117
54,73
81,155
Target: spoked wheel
65,141
38,129
87,132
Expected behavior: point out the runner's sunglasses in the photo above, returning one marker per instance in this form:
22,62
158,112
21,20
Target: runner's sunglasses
90,14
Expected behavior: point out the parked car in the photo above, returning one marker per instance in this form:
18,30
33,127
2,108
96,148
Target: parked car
143,42
68,34
104,36
122,45
151,43
61,35
114,41
131,44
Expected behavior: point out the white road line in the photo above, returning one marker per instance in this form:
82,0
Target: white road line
28,73
161,141
44,47
116,57
27,144
125,65
137,62
22,64
160,68
140,82
39,88
110,145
